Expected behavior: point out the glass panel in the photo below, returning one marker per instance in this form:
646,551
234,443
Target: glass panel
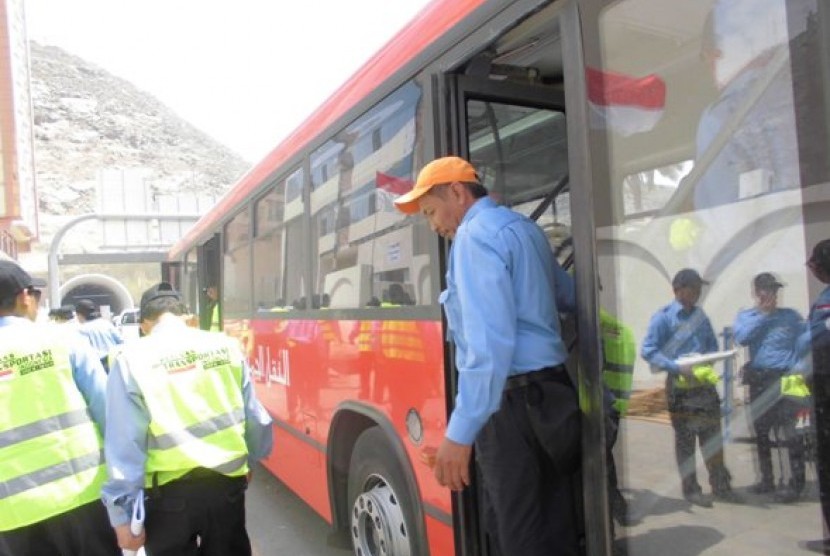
702,148
270,249
367,251
521,155
236,291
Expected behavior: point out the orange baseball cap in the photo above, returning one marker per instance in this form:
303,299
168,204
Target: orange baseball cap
440,171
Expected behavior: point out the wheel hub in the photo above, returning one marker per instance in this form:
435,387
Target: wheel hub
378,526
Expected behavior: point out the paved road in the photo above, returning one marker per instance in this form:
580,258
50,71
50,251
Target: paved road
280,524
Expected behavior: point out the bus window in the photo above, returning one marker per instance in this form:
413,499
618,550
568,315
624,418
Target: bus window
271,261
237,265
362,244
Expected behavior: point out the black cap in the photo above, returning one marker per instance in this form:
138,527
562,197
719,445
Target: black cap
767,281
821,255
162,289
14,279
686,278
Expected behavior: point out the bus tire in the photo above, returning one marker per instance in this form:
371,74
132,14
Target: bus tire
381,520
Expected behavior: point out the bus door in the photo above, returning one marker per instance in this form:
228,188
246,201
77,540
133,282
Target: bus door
515,135
209,272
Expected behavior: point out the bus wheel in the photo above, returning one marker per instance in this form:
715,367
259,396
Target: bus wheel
381,508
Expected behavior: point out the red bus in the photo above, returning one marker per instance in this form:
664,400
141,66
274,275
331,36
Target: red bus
643,135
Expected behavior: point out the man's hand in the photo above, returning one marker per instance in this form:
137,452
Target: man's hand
766,301
452,465
687,371
126,539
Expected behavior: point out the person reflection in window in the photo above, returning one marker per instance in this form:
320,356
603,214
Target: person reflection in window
747,136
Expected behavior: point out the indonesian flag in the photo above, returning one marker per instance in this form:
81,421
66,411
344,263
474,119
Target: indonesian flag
388,188
626,105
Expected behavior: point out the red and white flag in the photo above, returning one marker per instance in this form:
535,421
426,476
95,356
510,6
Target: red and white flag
624,104
388,188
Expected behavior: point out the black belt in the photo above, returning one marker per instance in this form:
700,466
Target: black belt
548,374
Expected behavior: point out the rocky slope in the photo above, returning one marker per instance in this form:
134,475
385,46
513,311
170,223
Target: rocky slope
87,120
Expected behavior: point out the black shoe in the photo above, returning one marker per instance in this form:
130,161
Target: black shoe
763,487
728,495
822,546
697,499
787,495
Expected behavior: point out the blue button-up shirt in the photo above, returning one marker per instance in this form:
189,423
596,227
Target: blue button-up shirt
500,308
771,337
102,335
129,420
816,334
673,332
87,372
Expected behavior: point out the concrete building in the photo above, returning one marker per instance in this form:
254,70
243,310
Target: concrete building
18,191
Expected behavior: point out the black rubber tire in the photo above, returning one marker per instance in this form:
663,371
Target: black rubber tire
373,465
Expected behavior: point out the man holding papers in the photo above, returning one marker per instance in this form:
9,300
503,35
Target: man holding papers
682,328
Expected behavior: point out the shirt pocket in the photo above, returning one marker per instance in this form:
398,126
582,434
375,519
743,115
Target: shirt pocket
449,301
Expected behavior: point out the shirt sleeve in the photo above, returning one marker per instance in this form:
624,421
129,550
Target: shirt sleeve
747,325
91,379
488,324
258,431
656,337
125,445
564,289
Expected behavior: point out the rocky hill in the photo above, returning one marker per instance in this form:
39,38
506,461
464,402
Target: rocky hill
87,120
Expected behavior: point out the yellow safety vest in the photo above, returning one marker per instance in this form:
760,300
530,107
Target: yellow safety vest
619,350
51,455
192,386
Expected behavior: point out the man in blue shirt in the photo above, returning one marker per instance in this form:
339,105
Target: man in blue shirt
515,399
682,328
100,332
816,340
770,332
73,521
183,420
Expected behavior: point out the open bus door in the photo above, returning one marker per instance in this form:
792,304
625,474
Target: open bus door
209,272
515,135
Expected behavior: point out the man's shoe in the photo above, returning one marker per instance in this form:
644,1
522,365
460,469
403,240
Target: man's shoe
728,495
787,495
698,499
822,546
763,487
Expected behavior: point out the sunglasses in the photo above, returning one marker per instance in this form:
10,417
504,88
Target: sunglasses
34,292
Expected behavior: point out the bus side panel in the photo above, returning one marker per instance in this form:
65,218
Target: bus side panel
299,466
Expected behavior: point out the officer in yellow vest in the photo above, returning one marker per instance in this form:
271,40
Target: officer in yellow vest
210,318
619,351
52,409
183,427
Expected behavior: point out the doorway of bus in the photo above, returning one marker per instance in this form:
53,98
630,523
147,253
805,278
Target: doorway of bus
515,135
210,273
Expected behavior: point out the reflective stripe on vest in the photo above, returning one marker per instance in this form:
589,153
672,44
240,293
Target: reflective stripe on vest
215,325
619,350
51,458
192,385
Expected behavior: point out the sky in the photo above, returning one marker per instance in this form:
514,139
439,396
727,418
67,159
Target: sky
246,72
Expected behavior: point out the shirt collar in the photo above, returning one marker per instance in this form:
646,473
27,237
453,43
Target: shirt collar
481,204
677,308
168,322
